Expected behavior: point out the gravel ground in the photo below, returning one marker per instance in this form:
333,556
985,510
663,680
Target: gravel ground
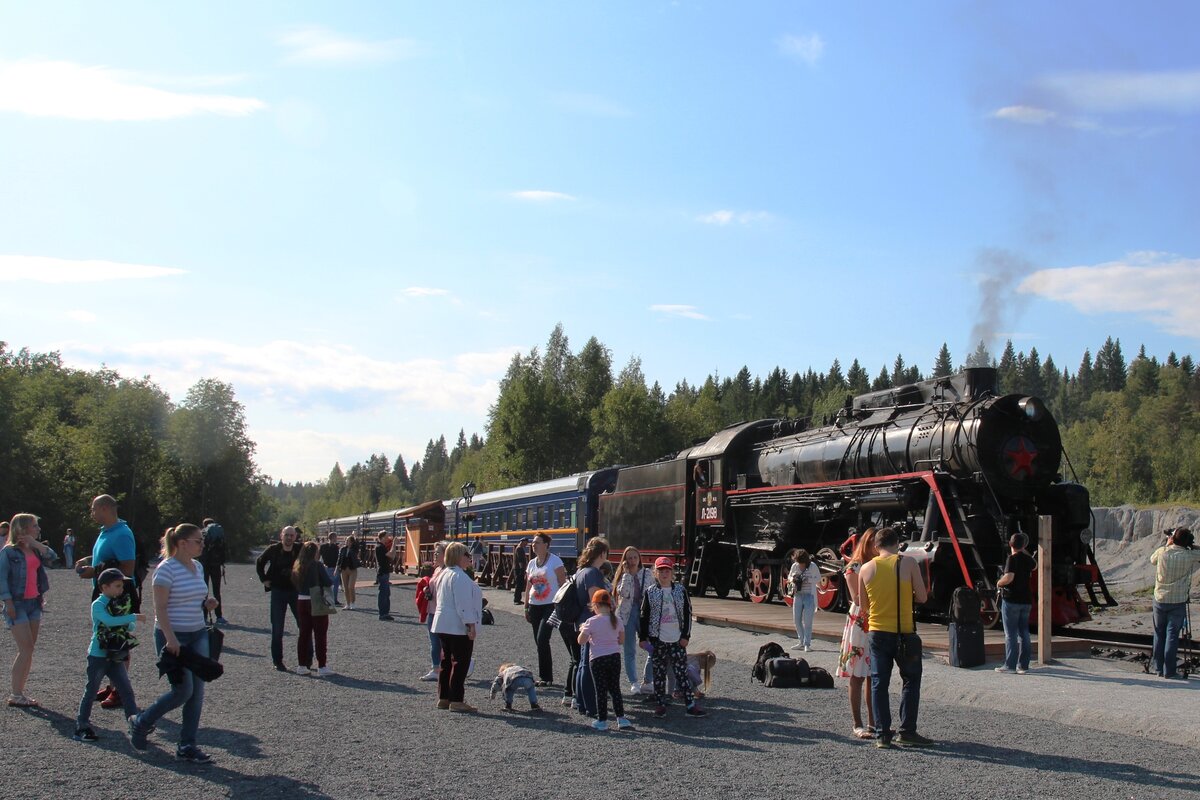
371,731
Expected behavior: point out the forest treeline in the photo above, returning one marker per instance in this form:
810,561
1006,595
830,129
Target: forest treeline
67,435
1131,429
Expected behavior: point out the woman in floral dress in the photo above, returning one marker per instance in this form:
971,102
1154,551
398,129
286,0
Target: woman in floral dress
854,661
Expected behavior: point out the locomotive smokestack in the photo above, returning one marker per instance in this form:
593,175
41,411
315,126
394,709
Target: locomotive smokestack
980,381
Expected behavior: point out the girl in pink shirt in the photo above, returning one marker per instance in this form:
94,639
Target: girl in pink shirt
605,635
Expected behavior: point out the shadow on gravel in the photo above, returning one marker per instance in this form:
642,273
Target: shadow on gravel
243,745
61,723
369,685
1114,770
233,651
246,629
238,785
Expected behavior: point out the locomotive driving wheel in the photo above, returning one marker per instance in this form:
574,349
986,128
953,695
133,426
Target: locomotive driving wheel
832,594
758,583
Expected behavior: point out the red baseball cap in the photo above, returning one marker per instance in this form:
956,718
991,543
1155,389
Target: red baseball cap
664,563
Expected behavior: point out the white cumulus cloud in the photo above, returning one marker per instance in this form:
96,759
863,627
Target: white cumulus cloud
725,217
807,47
676,310
305,374
313,44
1162,288
425,291
41,269
540,196
64,89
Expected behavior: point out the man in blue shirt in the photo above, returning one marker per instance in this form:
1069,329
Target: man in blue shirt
115,546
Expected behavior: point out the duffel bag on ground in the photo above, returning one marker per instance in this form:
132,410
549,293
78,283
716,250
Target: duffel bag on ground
787,673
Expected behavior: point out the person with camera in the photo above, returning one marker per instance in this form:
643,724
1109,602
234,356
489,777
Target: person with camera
1174,563
891,586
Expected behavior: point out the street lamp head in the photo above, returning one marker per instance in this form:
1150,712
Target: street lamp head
468,490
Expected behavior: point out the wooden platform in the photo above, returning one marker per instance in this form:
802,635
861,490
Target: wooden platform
776,618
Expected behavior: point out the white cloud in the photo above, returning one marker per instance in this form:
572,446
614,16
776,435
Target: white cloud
725,217
74,91
304,454
688,312
1027,115
540,196
307,375
1032,115
80,315
425,291
1117,92
1163,288
590,104
807,47
41,269
313,44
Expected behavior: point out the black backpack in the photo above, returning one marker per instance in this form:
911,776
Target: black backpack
787,673
567,605
214,545
964,606
767,652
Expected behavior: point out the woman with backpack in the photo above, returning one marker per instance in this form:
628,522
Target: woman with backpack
347,564
309,578
854,661
630,584
666,623
588,578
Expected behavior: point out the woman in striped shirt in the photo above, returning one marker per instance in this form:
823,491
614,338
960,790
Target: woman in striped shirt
180,600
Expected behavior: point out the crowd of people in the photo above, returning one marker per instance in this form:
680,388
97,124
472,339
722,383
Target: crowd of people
603,620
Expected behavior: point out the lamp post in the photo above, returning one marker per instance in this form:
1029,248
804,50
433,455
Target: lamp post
468,491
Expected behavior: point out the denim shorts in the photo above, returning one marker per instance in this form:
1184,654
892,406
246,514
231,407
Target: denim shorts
27,611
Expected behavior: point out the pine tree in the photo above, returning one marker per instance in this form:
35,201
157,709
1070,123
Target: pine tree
835,379
882,380
1009,377
858,379
943,366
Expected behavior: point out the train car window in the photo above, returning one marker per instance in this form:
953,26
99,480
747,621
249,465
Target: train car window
575,515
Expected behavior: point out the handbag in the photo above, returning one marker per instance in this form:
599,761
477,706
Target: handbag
322,601
216,636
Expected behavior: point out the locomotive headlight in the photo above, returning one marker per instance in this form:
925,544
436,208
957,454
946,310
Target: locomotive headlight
1032,407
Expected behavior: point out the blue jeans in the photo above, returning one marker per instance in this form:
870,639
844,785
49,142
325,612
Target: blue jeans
525,683
335,578
188,693
384,581
281,601
1168,623
885,649
631,647
1016,634
435,645
585,687
97,668
803,608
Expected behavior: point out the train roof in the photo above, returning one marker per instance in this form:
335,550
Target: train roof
572,483
723,440
432,510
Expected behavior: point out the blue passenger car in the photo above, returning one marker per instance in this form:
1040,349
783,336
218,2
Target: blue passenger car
565,508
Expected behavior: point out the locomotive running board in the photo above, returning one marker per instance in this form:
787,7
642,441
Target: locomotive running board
805,494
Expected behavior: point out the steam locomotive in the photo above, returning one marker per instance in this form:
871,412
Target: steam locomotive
950,463
954,466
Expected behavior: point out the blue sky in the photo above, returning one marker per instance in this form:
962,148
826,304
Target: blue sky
357,213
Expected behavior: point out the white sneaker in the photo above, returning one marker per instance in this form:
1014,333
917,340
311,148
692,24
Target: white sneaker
432,675
300,669
1003,669
807,648
470,667
635,688
796,646
324,671
314,672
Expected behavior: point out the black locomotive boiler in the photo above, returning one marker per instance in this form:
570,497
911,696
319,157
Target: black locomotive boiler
954,466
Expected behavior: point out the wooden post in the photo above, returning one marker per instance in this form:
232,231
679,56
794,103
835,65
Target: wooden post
1045,590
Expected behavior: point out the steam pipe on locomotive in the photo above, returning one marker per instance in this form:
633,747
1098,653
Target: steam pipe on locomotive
955,466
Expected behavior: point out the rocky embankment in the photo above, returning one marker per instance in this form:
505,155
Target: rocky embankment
1125,538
